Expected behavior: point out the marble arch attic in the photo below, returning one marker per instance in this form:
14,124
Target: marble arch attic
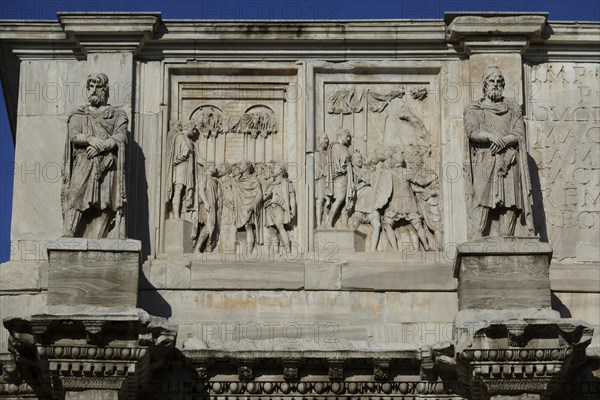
302,210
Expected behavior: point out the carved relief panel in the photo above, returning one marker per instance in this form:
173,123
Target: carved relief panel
232,164
377,160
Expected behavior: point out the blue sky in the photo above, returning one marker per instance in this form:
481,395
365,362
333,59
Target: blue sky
563,10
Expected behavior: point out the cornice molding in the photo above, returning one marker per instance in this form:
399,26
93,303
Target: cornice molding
109,32
151,38
495,33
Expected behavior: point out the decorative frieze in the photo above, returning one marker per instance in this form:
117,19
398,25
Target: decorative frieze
516,357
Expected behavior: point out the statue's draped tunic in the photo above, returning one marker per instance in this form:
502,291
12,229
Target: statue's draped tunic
496,178
500,179
97,182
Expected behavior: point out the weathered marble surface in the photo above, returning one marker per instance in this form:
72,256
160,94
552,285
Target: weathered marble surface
180,70
100,272
503,273
449,83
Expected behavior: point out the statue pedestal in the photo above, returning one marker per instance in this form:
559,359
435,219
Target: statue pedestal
177,236
345,239
93,272
499,273
505,332
94,343
101,353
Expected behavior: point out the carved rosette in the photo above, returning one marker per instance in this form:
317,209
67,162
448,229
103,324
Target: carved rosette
245,372
517,357
336,371
381,370
290,370
61,353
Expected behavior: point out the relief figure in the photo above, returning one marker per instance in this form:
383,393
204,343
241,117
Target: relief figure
393,187
181,168
280,207
247,201
364,207
207,191
339,178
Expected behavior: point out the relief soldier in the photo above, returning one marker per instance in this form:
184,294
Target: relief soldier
207,190
397,199
339,178
364,206
181,168
280,207
321,171
227,216
247,201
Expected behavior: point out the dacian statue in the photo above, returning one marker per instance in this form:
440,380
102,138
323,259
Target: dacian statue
93,193
498,160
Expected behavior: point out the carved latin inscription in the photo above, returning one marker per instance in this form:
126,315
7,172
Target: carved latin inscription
564,120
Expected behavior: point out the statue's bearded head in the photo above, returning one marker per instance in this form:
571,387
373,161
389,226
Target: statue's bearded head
493,83
97,89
